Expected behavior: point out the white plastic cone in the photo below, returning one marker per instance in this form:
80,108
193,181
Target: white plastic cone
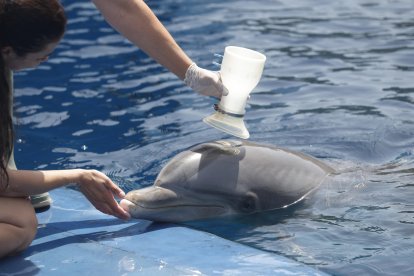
241,70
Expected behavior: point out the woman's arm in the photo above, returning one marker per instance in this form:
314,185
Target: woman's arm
96,186
135,20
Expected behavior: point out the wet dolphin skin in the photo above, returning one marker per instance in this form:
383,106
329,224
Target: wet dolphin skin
226,177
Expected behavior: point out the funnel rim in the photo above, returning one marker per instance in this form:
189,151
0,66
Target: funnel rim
238,131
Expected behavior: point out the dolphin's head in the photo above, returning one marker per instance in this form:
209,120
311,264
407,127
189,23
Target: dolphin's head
163,204
224,178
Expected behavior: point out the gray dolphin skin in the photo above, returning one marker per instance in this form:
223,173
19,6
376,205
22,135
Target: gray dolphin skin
226,177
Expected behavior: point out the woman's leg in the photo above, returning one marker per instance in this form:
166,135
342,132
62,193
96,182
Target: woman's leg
18,225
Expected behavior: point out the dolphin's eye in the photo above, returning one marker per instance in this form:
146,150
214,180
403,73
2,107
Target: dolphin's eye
248,204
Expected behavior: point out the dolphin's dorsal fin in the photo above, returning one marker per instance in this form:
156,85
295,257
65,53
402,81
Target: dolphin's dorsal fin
228,147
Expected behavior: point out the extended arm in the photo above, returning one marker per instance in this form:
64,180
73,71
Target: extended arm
96,186
135,20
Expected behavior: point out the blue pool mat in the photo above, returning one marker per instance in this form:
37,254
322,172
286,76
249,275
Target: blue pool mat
75,239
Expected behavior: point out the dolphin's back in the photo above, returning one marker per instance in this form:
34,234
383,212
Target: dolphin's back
288,174
277,176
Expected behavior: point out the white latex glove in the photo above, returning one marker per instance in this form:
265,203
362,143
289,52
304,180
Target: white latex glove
205,82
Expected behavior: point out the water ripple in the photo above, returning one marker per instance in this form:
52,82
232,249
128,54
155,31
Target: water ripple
337,85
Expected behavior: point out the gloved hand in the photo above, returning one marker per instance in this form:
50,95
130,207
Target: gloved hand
205,82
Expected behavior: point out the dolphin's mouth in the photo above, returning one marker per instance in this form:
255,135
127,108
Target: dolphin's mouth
175,206
159,204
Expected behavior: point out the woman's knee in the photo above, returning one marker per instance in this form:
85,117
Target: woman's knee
20,215
29,224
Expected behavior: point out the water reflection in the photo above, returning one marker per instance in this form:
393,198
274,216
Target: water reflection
337,85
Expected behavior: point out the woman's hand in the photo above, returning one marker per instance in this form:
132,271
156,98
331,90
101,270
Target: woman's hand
205,82
100,191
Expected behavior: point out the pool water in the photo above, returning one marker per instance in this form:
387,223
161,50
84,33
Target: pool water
337,85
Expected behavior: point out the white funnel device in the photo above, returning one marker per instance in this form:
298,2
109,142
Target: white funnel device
240,71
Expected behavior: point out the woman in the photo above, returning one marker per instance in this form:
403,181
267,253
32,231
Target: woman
29,32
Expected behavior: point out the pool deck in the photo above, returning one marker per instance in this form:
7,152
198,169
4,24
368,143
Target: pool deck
75,239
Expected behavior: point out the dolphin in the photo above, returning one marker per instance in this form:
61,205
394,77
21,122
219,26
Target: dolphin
226,177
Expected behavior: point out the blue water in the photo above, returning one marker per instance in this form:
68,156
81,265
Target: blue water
337,85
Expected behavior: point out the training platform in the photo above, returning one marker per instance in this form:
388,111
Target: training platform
75,239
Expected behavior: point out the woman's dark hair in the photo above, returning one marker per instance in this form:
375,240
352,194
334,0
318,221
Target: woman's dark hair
26,26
